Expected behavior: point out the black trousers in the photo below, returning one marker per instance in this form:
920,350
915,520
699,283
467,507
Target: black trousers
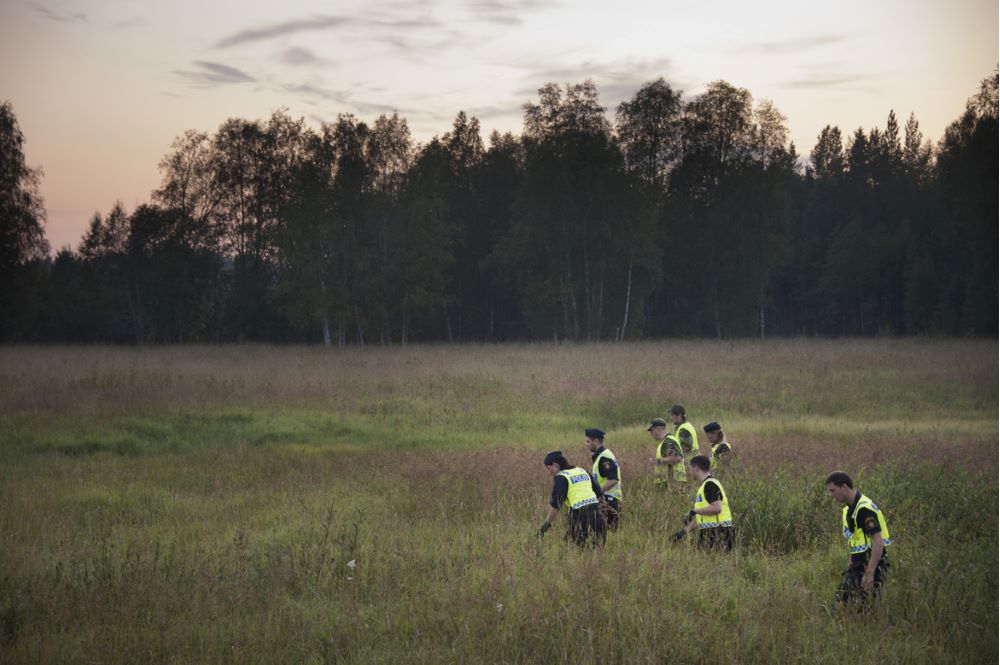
719,538
851,592
612,512
587,526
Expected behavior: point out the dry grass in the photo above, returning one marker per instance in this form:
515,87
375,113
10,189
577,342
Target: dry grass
203,504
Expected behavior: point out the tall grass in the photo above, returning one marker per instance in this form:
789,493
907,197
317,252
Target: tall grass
380,505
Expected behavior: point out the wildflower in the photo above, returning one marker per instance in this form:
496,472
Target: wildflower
499,607
352,564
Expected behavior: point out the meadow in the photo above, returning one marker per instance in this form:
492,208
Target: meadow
257,504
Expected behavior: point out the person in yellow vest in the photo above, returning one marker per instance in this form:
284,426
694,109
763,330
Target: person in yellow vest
867,540
721,450
685,432
711,515
608,475
668,464
576,489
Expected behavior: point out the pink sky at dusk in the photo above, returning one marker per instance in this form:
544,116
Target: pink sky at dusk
101,87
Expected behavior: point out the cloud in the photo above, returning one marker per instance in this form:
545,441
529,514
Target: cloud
60,17
345,99
787,46
828,76
418,49
309,90
404,23
819,81
609,72
213,72
615,81
286,28
504,12
400,32
495,110
300,56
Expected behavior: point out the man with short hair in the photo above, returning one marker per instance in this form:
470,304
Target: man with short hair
684,431
867,539
668,465
576,489
608,475
711,515
720,447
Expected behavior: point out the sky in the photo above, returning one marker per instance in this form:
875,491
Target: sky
101,88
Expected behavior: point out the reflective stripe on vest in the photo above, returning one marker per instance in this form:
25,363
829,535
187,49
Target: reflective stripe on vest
686,426
857,540
662,471
616,491
579,493
723,518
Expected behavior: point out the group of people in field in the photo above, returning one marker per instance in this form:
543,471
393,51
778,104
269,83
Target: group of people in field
594,499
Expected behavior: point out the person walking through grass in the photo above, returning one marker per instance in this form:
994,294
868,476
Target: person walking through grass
668,464
867,540
720,448
684,431
711,515
608,475
576,489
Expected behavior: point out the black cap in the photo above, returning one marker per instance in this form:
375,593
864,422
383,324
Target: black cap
594,433
553,457
656,422
677,409
712,427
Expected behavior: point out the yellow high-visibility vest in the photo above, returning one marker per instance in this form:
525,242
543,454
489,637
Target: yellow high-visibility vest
714,459
616,491
662,471
688,454
580,492
723,518
857,540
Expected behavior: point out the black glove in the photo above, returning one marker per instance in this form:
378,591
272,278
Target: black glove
690,517
677,537
545,527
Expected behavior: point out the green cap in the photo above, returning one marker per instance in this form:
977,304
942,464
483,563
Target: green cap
656,422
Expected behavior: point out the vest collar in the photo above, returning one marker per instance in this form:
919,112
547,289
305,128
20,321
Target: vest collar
854,504
851,509
597,453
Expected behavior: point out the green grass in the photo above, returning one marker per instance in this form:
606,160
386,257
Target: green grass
204,504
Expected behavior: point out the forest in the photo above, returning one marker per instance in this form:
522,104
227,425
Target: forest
681,216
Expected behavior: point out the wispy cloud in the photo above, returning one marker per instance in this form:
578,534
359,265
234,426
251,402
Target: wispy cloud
504,12
213,73
819,81
308,90
58,16
300,56
830,75
615,81
411,34
784,47
627,69
285,28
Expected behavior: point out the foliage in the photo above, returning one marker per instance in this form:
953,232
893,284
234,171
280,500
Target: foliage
686,218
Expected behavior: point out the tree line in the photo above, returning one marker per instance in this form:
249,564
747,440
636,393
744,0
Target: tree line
680,218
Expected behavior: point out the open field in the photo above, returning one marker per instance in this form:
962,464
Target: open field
262,504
